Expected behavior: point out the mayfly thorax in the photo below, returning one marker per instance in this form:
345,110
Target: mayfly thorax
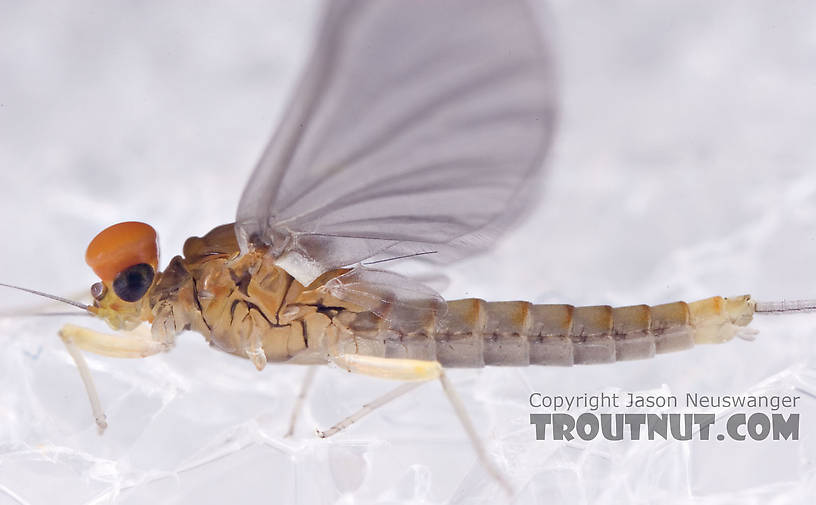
415,129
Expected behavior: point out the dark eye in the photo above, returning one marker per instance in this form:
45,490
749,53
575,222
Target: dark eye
98,291
132,283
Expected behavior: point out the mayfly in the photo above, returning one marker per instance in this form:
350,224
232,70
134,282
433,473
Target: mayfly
416,128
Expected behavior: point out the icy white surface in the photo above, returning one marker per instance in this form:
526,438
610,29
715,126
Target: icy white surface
683,169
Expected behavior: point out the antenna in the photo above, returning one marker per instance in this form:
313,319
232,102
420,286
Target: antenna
8,315
53,297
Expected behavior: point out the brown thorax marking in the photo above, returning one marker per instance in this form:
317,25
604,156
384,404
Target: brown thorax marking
245,304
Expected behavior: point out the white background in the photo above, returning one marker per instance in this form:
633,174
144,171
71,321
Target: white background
683,168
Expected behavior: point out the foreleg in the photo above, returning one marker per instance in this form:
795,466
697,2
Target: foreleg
130,344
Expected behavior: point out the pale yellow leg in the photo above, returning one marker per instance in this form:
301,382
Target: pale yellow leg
129,344
388,368
369,408
304,390
415,372
87,380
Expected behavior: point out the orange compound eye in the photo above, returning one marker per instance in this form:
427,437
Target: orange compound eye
120,246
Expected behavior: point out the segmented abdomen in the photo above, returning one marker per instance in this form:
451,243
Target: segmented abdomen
475,333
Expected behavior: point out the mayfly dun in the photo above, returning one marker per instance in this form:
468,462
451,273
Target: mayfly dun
417,130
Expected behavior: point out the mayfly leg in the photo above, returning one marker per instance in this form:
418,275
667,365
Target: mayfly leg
87,381
464,418
308,379
415,373
369,408
129,344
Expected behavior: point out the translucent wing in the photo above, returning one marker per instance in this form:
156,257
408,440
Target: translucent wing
403,302
416,126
